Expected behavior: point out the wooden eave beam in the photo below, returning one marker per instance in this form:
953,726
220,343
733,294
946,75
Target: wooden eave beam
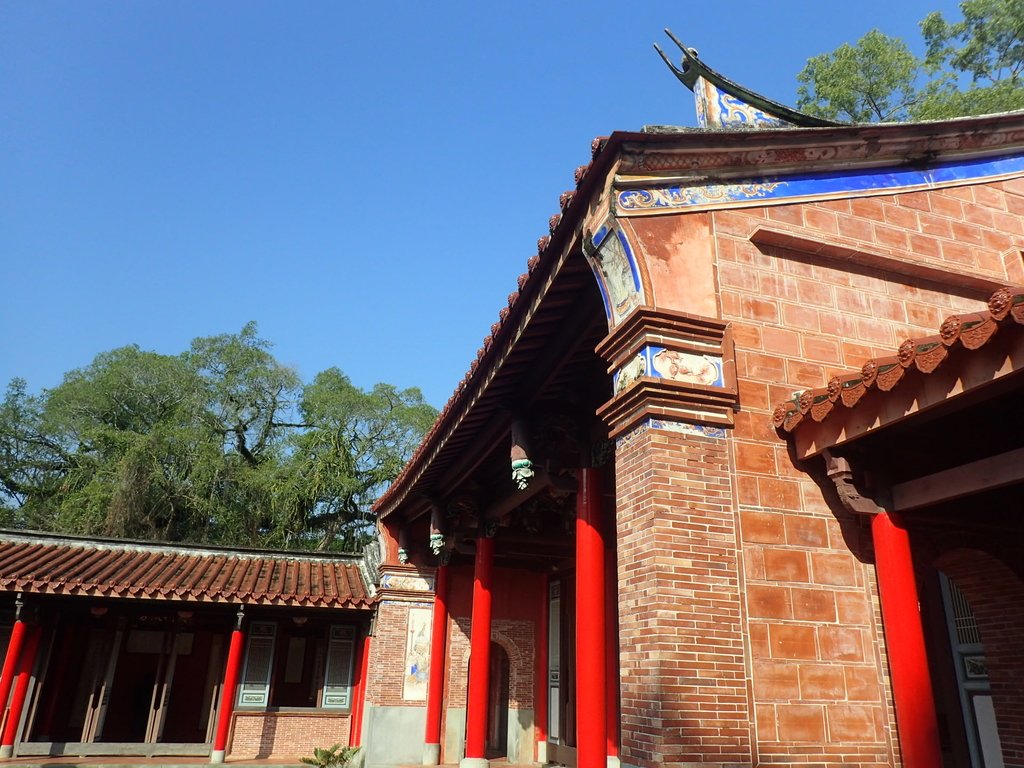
957,482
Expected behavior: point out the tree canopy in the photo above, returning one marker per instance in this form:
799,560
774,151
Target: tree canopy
973,66
221,444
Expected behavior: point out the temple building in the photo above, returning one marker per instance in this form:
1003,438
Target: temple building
125,648
734,480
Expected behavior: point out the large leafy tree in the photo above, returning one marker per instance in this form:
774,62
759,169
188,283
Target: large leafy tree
973,66
221,444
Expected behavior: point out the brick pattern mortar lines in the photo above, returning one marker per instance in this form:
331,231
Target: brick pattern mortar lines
819,676
385,680
683,678
269,734
515,637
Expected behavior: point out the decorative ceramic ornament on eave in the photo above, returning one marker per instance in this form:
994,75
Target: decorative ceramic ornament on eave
615,267
722,103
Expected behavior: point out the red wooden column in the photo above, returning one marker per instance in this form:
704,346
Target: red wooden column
540,697
24,674
355,728
479,656
435,683
227,691
612,646
591,651
14,646
904,641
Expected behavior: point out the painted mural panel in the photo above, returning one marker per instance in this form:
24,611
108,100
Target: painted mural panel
615,268
417,655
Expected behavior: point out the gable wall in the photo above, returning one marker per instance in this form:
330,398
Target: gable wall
816,650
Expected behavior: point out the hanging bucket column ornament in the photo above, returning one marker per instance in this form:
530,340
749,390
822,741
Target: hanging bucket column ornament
522,466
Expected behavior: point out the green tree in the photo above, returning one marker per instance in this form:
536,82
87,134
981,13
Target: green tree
221,444
971,67
871,81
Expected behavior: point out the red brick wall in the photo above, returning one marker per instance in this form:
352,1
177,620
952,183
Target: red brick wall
516,637
271,734
683,678
818,673
386,673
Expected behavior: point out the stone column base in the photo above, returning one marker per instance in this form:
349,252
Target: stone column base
474,762
6,751
613,761
217,756
431,754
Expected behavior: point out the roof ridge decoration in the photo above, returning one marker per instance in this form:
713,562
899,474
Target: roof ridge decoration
971,330
721,103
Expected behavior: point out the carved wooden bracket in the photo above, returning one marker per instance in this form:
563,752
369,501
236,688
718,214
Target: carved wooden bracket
841,474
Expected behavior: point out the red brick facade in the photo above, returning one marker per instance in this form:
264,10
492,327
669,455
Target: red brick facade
259,735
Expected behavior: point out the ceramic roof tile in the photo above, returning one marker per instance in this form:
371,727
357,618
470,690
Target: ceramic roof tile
970,331
566,200
49,564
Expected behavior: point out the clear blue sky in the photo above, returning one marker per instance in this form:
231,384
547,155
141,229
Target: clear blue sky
365,180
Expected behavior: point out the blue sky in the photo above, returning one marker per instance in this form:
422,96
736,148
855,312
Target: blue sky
366,181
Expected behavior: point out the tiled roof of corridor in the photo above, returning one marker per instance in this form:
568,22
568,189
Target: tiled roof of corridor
969,331
65,565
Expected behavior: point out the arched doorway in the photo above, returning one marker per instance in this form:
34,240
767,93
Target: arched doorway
497,710
973,605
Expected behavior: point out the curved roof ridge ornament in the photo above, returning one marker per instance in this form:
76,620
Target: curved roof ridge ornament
721,103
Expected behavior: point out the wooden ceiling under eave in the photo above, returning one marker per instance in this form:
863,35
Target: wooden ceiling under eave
550,367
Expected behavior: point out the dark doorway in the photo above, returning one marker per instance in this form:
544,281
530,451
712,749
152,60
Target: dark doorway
497,709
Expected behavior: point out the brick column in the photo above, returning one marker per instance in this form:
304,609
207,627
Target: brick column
683,680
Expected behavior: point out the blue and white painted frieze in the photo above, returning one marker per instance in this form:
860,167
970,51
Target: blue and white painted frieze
813,186
679,427
718,109
659,362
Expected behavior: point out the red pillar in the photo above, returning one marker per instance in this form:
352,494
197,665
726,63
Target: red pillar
541,673
355,734
479,656
612,648
435,683
591,661
25,664
904,641
227,692
10,668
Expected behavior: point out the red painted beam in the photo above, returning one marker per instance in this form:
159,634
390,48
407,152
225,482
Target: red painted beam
591,651
904,641
480,653
438,655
